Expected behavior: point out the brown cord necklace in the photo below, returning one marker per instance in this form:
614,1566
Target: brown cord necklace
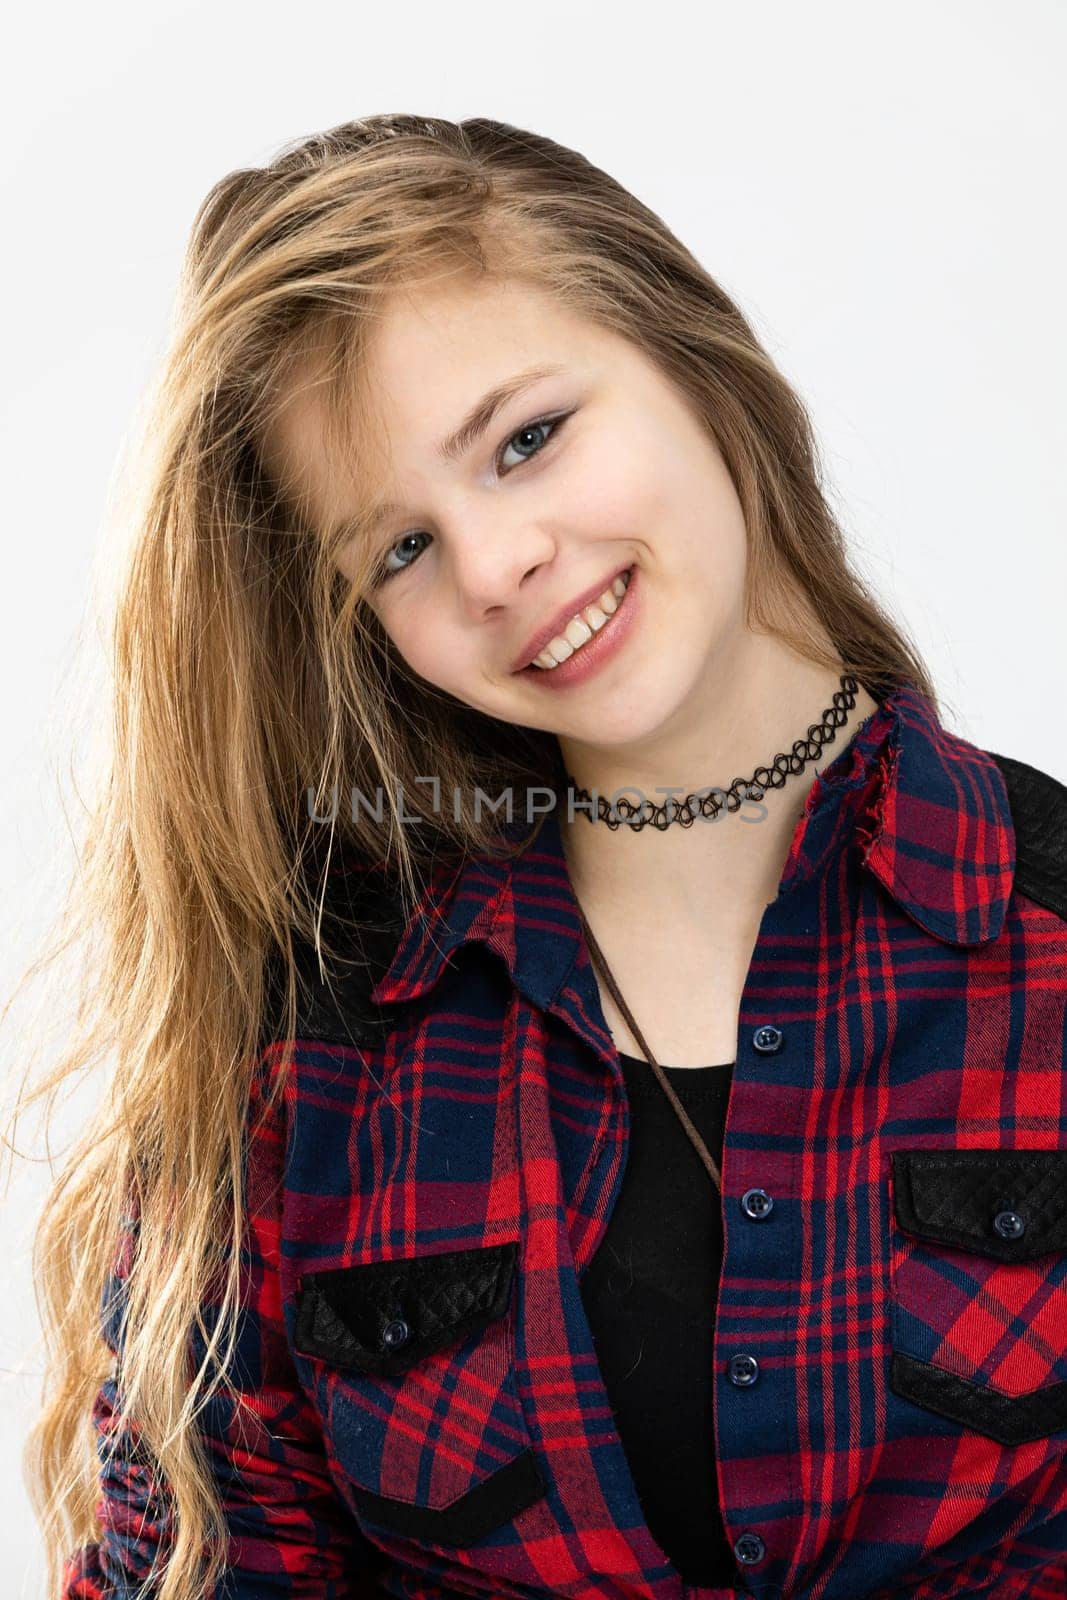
803,752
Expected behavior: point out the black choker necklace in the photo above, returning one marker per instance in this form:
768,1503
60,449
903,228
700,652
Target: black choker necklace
708,802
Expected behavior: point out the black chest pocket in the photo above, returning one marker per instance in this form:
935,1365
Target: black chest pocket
413,1369
978,1269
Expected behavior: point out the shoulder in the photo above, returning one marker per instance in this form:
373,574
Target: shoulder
1038,804
364,917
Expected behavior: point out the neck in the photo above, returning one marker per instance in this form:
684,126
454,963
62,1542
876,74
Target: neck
716,869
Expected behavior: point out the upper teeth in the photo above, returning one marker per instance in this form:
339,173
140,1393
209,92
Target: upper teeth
582,626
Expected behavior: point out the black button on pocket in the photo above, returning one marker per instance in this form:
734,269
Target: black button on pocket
978,1267
395,1334
1009,1224
414,1379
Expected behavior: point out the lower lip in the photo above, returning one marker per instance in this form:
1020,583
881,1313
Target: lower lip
596,652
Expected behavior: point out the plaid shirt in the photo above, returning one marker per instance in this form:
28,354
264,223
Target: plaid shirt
425,1413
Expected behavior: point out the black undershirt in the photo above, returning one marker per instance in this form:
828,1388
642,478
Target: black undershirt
649,1294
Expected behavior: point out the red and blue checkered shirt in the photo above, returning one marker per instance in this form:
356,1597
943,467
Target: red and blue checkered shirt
423,1411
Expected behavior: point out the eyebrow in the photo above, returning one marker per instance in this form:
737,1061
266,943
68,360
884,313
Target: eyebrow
470,430
480,416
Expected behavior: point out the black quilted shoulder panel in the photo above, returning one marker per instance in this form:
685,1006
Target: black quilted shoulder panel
363,921
1039,813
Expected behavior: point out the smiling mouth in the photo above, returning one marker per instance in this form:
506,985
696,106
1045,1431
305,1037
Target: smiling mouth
583,627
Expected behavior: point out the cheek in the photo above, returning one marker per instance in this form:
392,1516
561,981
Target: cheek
609,490
429,648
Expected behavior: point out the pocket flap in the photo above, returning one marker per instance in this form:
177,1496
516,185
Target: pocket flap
1010,1205
384,1316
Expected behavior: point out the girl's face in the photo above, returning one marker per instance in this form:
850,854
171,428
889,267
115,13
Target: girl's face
514,513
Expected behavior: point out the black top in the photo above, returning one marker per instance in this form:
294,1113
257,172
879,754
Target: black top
649,1294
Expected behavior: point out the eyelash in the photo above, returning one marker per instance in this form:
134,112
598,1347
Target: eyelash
384,573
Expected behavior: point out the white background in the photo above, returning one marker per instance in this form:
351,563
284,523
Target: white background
880,187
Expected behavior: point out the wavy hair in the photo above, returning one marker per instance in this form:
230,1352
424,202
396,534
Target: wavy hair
248,677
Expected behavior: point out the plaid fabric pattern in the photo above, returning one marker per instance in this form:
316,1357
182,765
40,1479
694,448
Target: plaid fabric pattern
426,1415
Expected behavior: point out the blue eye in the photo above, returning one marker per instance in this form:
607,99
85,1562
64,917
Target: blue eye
552,424
531,427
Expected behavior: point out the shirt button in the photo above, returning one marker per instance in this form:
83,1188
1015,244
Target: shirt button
757,1204
749,1549
395,1333
767,1039
743,1370
1009,1224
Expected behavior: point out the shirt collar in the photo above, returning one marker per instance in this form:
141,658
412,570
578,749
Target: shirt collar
926,810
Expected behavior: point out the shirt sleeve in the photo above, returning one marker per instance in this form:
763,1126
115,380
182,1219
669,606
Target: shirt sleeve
288,1531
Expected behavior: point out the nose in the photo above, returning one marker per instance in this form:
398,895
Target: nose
493,555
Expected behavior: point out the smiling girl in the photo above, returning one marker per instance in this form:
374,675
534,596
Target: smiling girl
535,1205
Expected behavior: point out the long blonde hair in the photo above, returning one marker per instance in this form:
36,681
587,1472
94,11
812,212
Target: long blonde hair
248,677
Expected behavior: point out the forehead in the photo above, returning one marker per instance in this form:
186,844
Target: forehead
430,354
453,341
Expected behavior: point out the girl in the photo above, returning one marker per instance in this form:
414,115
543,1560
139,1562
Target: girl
586,1116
